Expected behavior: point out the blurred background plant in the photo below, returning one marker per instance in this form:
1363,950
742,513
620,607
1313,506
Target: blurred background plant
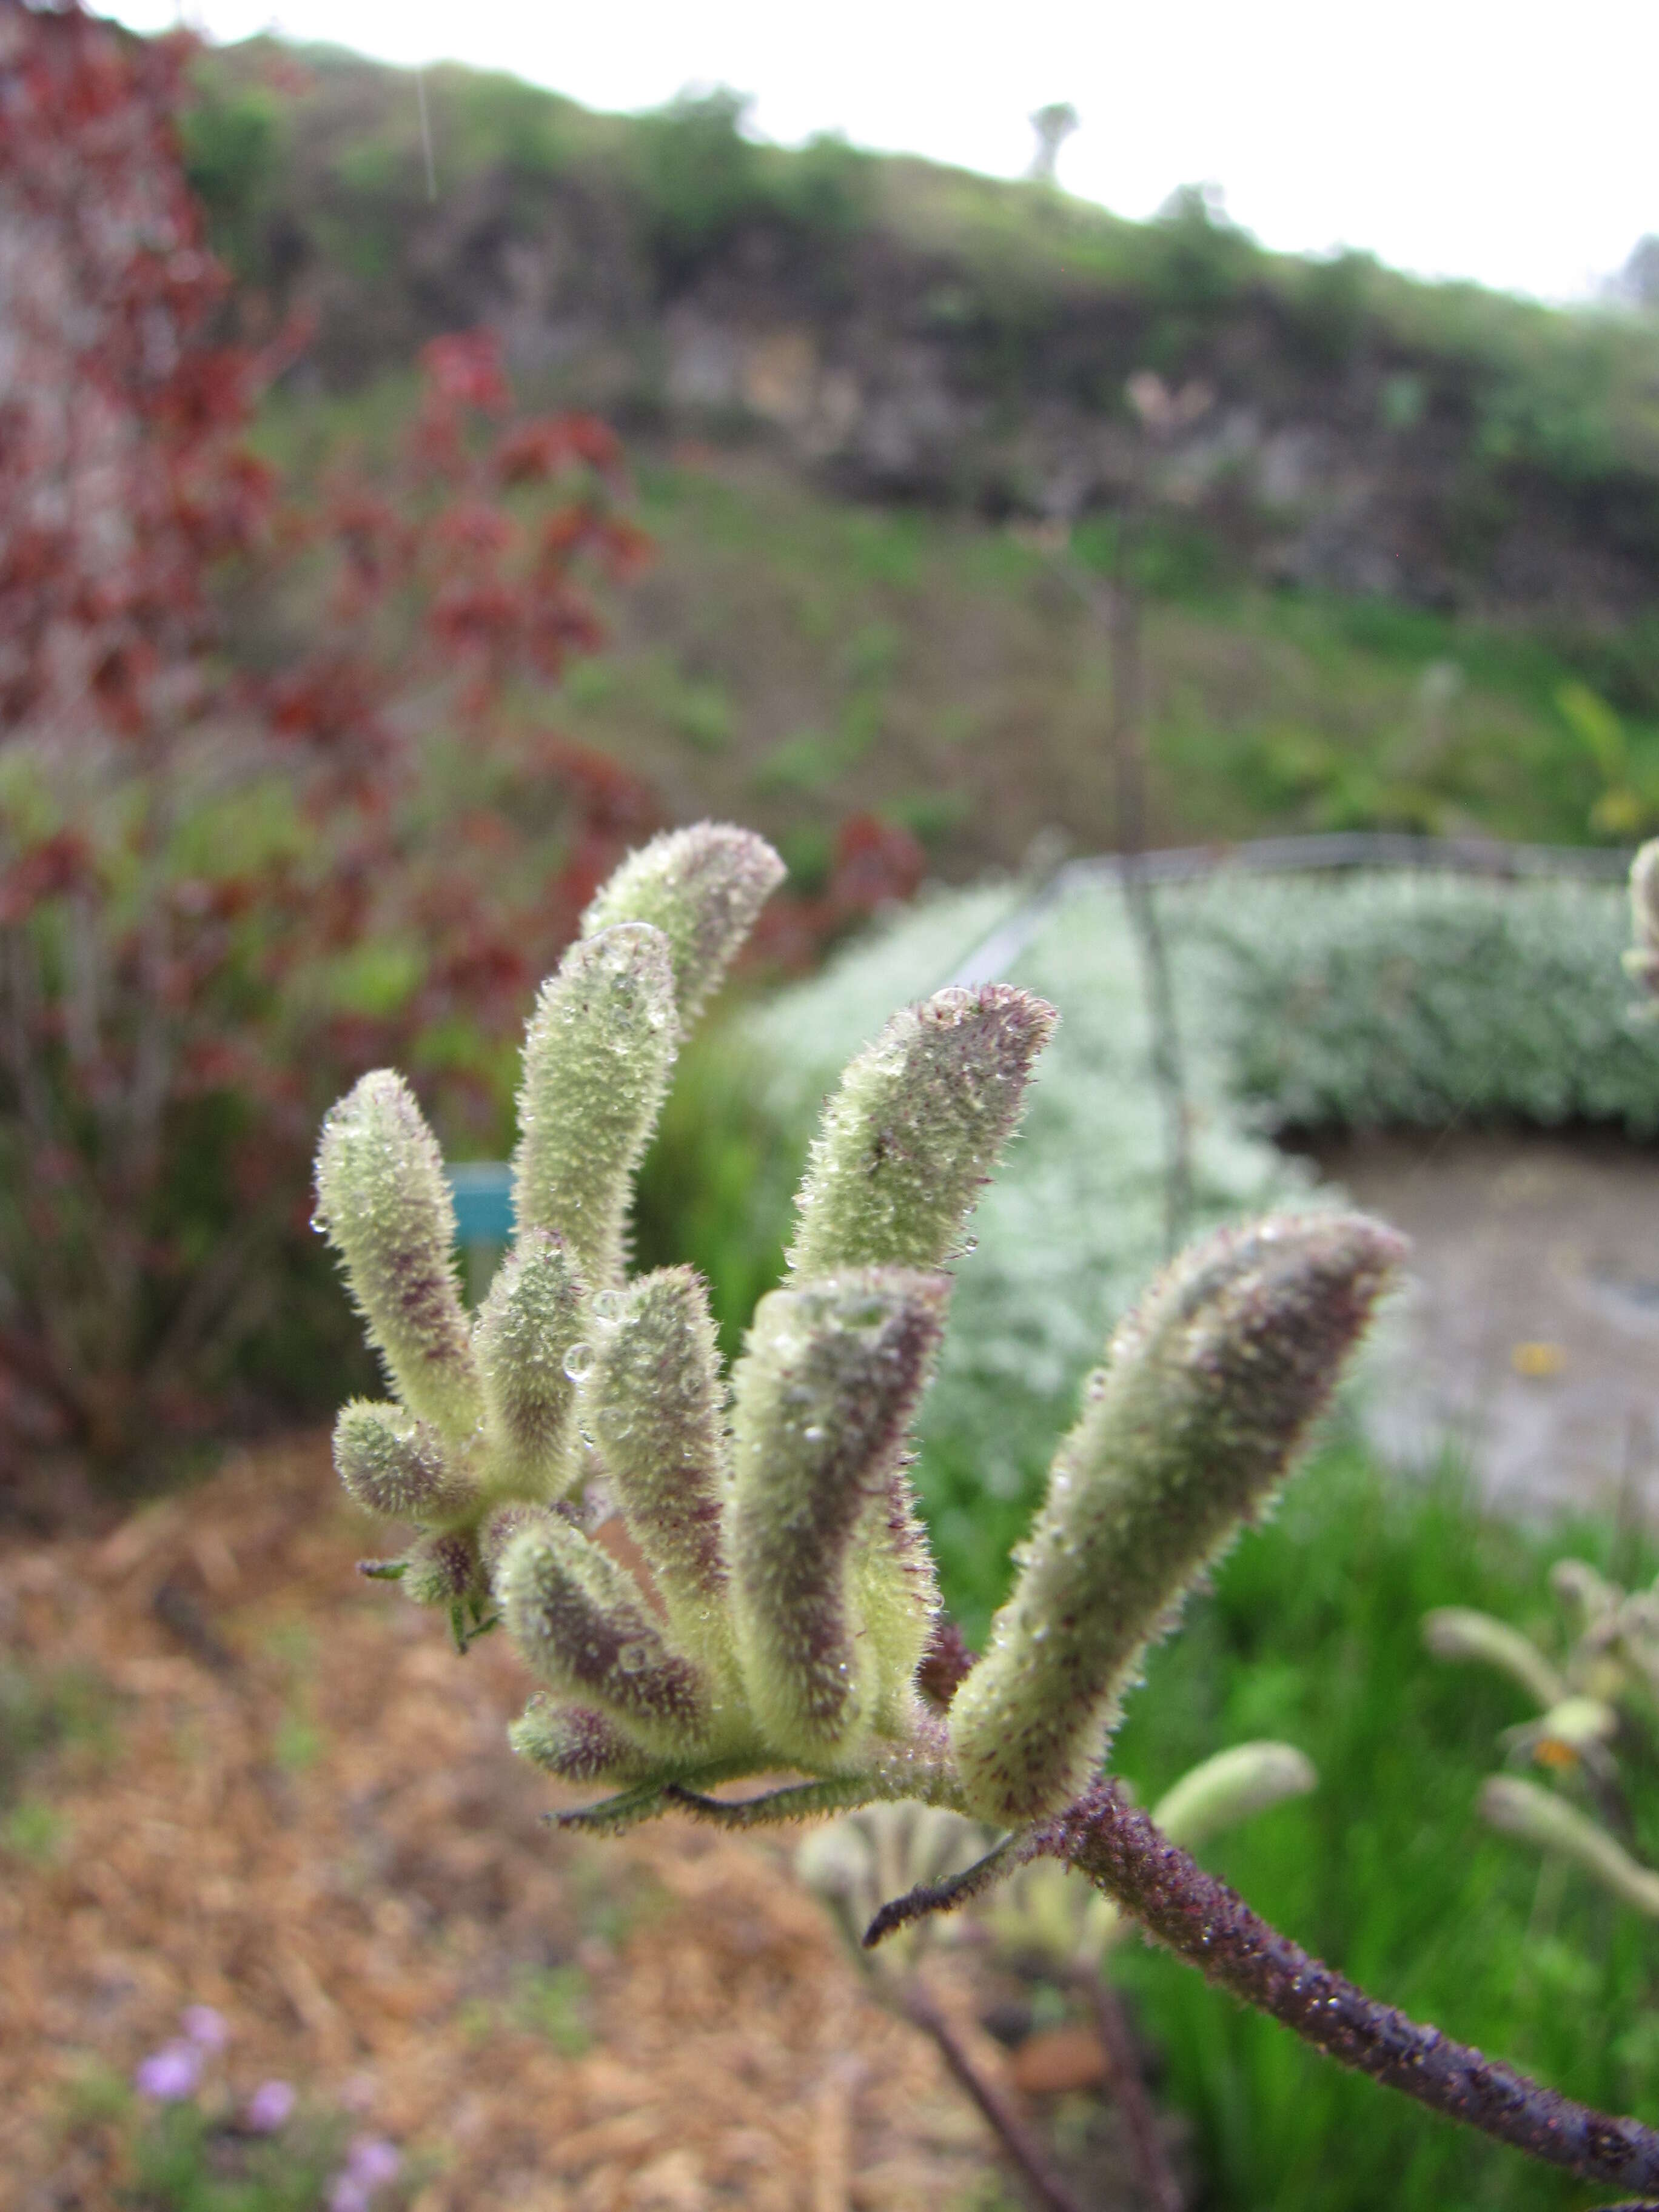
1596,1736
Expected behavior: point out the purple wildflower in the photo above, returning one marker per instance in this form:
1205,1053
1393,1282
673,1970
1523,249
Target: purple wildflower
206,2027
170,2073
269,2107
370,2161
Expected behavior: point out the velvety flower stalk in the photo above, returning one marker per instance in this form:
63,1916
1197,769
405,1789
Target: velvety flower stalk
765,1600
911,1135
829,1380
1209,1390
384,1200
653,1395
596,1062
530,1319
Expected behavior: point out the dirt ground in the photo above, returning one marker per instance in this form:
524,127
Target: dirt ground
295,1804
1529,1339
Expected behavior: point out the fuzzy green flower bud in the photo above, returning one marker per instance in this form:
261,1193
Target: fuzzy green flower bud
703,888
499,1528
896,1593
825,1392
582,1622
1460,1632
1209,1388
396,1465
444,1569
1539,1817
915,1129
529,1320
384,1200
578,1745
1642,960
1231,1788
596,1056
654,1398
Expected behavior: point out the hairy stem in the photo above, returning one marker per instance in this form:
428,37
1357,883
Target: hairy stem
1020,2145
1175,1900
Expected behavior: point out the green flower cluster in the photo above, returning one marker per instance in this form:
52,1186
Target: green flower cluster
715,1578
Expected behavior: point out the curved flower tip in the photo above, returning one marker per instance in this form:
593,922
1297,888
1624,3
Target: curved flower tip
910,1138
703,888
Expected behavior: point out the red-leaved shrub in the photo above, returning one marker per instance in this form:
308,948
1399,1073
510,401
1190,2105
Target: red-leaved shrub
275,804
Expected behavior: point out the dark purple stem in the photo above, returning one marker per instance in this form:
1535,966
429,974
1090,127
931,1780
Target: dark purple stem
1176,1901
1017,2141
1140,2118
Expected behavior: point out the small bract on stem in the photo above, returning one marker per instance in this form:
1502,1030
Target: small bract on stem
778,1608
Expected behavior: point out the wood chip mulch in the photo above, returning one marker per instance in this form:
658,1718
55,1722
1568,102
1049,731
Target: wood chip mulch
298,1807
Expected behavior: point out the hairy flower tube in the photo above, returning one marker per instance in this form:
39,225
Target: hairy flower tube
716,1577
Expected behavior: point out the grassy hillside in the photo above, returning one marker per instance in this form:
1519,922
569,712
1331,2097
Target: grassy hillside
792,657
320,142
1447,629
901,329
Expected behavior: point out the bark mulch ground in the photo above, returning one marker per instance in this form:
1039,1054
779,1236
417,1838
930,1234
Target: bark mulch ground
276,1790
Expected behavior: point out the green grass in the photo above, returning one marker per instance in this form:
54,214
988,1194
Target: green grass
1007,270
1312,1634
1269,712
183,2161
791,659
63,1711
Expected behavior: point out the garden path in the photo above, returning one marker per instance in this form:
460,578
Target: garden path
1528,1340
280,1794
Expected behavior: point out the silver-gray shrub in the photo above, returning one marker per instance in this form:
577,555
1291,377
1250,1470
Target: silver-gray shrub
1389,1000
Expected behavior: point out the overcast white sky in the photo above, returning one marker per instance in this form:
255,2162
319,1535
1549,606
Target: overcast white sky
1506,140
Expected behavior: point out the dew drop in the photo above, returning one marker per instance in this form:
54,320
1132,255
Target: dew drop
578,1360
607,1306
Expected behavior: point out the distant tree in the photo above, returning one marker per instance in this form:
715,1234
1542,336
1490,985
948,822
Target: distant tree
1638,281
1198,207
1054,126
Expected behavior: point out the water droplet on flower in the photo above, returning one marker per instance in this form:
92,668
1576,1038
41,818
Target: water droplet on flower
578,1360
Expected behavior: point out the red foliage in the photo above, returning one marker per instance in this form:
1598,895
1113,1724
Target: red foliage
234,872
875,864
191,848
